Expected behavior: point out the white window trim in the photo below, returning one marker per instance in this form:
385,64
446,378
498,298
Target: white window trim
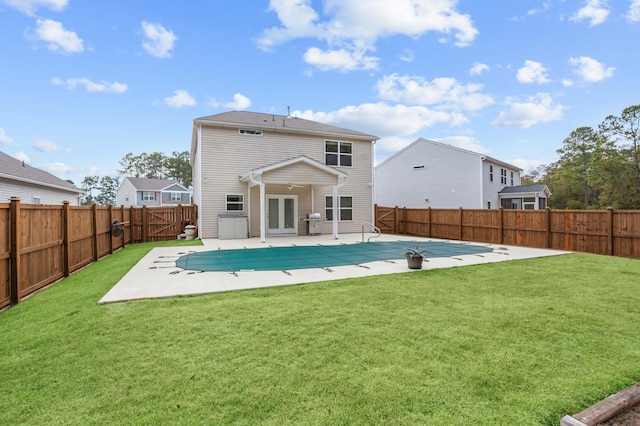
337,153
175,196
339,208
145,196
227,202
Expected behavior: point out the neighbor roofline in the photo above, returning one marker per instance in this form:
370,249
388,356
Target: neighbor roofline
40,183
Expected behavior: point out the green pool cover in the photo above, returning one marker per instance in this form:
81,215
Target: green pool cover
319,256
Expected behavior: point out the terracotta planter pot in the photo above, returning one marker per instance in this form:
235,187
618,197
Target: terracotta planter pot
415,262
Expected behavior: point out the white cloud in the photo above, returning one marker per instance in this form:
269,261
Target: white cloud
465,142
21,156
354,26
445,92
526,165
384,120
180,98
57,168
478,68
57,37
90,86
535,11
159,41
567,82
633,15
5,139
240,102
341,60
44,145
535,110
590,70
532,72
407,55
596,11
29,7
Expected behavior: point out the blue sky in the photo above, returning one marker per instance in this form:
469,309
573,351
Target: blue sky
83,83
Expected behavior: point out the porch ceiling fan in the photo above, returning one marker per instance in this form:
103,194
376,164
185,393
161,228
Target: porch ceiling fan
291,186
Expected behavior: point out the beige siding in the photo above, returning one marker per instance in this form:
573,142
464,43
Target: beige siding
226,155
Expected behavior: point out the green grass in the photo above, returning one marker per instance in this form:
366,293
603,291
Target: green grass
519,342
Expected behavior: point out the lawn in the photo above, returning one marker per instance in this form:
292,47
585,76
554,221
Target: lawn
518,342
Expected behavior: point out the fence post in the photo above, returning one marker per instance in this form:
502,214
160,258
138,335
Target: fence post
404,220
429,229
110,222
396,230
65,239
144,223
14,251
610,229
518,230
500,225
94,215
549,240
460,225
567,228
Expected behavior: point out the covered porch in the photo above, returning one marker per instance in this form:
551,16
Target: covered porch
527,197
282,196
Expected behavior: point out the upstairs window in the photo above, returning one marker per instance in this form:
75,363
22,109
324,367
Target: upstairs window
511,178
250,132
503,176
490,173
338,153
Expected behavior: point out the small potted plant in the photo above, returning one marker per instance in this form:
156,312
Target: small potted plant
415,257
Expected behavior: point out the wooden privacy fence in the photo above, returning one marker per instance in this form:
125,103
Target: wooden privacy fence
41,244
609,232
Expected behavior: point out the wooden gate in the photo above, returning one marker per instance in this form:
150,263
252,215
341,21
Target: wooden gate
161,224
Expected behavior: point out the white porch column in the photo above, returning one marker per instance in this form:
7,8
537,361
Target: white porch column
263,214
335,211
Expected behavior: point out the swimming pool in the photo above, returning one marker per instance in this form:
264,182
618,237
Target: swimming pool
317,256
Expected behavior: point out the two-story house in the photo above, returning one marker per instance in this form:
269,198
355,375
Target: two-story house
427,173
140,192
33,185
277,173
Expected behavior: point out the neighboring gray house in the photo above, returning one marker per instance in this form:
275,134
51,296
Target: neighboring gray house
257,174
432,174
528,197
138,192
33,186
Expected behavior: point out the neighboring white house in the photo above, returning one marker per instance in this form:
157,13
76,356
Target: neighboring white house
139,192
32,185
432,174
268,174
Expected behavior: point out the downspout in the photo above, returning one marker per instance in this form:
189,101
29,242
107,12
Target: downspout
199,177
263,221
335,209
481,180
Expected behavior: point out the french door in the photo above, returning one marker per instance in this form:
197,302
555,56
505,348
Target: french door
282,214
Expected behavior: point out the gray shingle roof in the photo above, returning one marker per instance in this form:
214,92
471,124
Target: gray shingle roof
523,188
258,120
144,184
11,168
